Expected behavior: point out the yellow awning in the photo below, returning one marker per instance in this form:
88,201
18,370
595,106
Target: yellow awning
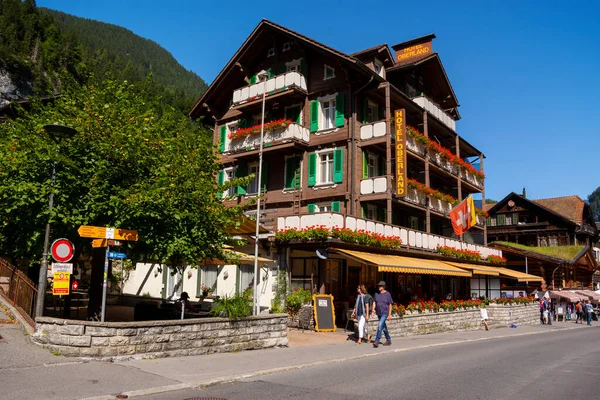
477,269
519,276
401,264
246,226
236,257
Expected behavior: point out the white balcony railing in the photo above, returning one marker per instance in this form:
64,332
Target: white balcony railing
374,130
373,185
414,146
414,196
410,238
436,111
443,163
440,206
471,178
251,142
280,82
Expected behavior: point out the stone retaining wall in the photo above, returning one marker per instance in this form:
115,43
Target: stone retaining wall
460,320
109,340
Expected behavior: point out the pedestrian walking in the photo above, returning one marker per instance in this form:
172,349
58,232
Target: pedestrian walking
364,303
382,306
590,309
578,311
542,312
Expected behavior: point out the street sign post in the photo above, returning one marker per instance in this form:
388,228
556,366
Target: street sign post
114,254
62,283
62,267
100,232
62,250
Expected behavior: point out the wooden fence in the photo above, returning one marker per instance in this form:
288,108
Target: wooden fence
21,293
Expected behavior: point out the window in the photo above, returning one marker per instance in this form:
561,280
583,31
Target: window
328,73
271,52
501,219
508,219
207,276
371,212
253,185
257,119
378,67
372,112
286,46
229,174
411,91
292,172
245,277
294,113
293,66
372,166
328,111
325,167
413,222
492,221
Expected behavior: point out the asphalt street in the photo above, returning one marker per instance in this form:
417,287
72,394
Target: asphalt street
558,365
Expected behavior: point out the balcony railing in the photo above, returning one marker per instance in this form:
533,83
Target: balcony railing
436,111
471,178
414,196
443,163
440,206
281,82
414,146
251,142
373,185
410,238
373,130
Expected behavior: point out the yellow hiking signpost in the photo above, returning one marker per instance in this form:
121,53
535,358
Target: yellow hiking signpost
106,237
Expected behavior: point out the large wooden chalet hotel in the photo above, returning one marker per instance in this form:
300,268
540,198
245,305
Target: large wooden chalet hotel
355,143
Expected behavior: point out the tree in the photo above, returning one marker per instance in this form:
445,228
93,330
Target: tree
594,201
135,163
490,201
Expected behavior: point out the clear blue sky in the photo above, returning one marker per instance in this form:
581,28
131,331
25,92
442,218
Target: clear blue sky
525,73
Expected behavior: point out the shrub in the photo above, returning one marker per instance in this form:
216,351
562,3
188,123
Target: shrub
233,307
295,300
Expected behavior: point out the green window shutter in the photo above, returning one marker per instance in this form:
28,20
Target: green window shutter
293,113
253,79
165,277
380,166
339,110
338,165
240,172
290,172
501,219
312,208
380,113
335,206
270,73
365,166
380,214
365,111
303,69
488,221
314,115
223,138
312,169
221,180
515,219
363,211
264,175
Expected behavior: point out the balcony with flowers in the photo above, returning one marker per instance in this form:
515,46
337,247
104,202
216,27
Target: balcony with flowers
440,202
274,85
276,131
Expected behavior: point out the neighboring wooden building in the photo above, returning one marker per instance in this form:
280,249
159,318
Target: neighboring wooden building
333,155
559,221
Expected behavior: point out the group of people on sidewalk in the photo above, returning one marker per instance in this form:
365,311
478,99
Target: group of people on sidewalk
583,310
367,307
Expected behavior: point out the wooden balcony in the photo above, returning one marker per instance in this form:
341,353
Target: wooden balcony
443,163
279,83
414,146
373,185
471,178
292,132
436,111
374,130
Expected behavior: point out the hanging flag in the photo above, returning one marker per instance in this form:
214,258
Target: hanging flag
463,216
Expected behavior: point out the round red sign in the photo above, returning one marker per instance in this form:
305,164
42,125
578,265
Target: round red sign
62,250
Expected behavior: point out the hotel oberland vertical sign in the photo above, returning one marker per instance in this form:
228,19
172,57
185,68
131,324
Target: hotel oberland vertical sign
400,124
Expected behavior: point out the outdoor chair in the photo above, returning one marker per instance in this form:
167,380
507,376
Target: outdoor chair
349,319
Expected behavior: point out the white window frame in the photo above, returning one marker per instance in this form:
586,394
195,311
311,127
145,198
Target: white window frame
226,178
332,99
293,65
325,68
248,191
493,221
301,113
372,162
509,219
374,107
203,270
285,172
230,127
331,173
378,64
286,46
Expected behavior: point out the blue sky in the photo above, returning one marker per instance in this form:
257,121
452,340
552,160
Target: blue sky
526,73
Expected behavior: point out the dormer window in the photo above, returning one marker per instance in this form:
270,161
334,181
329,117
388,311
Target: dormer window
271,52
293,66
378,67
286,46
329,72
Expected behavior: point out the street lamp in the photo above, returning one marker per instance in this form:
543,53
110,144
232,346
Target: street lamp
262,77
56,133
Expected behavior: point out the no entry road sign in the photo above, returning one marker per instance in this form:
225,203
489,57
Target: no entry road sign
62,250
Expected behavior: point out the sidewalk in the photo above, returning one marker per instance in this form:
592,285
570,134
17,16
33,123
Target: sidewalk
306,349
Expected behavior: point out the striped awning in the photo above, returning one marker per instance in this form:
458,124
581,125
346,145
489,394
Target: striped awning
476,269
568,295
519,276
590,294
401,264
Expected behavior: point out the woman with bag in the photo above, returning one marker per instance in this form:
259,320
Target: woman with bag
360,312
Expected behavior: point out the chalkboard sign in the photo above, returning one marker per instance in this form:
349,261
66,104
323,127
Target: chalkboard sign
324,313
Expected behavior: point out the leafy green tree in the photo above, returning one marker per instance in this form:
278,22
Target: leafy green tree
594,202
135,163
490,201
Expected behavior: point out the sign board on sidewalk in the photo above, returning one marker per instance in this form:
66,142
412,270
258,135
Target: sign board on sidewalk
62,283
324,313
62,250
114,254
100,232
62,267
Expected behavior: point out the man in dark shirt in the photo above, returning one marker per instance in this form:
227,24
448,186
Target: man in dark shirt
382,306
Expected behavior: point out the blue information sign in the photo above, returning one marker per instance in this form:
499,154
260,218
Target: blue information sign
114,254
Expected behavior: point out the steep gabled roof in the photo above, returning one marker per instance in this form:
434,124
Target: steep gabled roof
570,207
505,200
374,51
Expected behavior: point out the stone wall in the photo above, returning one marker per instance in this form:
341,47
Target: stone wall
460,320
110,340
304,320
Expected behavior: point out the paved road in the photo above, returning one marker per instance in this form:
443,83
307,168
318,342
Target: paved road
557,365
